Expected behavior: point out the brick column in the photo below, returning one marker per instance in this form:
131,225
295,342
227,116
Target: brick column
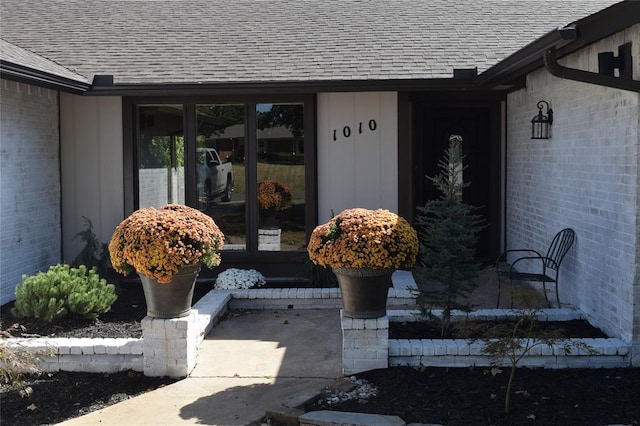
365,344
169,346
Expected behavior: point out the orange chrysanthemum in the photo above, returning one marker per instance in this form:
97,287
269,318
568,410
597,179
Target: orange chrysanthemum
274,196
361,238
157,243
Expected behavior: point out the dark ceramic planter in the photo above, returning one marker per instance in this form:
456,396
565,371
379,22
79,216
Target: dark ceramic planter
269,220
364,291
173,299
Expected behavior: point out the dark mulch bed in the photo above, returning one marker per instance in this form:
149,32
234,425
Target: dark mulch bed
483,329
461,396
64,395
475,396
61,396
446,396
123,320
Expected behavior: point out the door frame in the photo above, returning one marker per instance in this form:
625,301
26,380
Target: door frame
411,106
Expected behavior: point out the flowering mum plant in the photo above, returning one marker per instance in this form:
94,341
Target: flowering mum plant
158,242
273,196
233,278
361,238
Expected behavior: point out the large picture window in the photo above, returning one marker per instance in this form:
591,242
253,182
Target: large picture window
249,165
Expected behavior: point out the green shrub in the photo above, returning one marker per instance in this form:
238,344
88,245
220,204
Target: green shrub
61,291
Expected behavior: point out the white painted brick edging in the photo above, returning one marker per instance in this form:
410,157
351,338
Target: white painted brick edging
401,294
87,355
168,346
357,348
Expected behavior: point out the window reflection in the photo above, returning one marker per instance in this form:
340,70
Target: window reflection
218,186
220,169
281,177
455,163
160,155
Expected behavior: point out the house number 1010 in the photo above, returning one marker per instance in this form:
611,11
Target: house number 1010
346,130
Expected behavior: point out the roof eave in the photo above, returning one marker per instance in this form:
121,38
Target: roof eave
522,62
279,87
563,41
22,74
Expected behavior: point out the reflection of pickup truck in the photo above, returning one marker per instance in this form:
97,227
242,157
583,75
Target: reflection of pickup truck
215,178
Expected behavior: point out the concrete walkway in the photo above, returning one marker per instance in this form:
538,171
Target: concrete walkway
253,362
248,364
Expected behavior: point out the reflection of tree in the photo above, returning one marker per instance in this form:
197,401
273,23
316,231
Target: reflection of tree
289,116
213,120
160,149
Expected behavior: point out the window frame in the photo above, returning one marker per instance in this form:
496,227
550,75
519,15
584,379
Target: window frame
250,257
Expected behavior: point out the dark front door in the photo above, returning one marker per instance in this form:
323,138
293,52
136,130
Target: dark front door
480,147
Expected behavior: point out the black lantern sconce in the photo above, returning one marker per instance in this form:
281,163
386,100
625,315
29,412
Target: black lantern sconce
541,122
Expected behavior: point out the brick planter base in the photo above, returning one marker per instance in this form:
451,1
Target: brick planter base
366,343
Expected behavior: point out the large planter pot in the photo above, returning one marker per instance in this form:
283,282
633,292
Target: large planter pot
269,220
364,291
173,299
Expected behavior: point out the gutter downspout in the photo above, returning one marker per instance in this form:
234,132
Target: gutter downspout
552,65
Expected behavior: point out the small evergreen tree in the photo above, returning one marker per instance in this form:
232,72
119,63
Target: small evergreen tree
448,231
94,254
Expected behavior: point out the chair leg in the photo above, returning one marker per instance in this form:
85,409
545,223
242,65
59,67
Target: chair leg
558,295
499,291
511,292
544,291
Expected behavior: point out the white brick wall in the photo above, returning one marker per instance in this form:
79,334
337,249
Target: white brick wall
585,177
30,234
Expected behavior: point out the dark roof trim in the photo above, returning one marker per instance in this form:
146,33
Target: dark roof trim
608,21
522,62
564,41
552,65
284,87
22,74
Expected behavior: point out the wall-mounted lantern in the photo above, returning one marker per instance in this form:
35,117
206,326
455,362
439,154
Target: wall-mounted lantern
541,122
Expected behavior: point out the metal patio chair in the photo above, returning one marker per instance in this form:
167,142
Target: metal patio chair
545,268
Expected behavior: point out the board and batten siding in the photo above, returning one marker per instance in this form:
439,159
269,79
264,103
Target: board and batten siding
357,152
92,167
30,236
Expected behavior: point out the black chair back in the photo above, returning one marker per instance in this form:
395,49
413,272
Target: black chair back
559,247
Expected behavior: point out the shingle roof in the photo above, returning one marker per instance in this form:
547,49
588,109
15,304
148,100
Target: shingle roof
225,41
13,54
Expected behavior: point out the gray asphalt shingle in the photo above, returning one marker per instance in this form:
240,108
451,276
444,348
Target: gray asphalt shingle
175,41
19,56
